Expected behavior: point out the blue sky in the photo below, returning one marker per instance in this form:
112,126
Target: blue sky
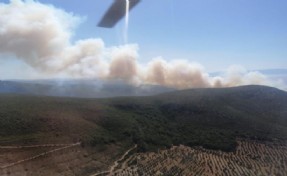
215,33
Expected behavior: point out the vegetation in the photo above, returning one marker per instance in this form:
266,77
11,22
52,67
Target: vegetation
212,118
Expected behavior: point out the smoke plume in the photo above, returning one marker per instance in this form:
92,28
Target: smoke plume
40,35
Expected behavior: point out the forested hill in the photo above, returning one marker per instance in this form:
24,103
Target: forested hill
212,118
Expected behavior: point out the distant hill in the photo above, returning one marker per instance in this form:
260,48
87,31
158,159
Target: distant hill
272,74
79,88
274,71
268,72
212,118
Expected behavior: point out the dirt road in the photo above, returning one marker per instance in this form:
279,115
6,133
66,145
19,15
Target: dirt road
116,163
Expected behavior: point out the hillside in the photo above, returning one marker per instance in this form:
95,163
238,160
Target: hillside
212,118
98,136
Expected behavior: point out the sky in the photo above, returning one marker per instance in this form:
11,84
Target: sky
214,33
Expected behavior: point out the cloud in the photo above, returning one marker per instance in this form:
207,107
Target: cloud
40,35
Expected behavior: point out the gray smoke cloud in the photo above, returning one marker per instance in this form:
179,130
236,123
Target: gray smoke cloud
40,35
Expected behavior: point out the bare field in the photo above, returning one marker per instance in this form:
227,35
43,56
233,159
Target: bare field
56,161
250,158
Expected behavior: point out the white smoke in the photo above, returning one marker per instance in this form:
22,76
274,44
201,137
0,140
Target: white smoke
33,31
177,73
40,35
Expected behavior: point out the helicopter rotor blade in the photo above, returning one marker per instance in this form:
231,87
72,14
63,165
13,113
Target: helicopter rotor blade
116,12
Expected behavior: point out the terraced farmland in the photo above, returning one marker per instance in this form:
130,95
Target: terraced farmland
250,158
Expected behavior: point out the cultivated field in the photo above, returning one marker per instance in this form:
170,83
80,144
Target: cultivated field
250,158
